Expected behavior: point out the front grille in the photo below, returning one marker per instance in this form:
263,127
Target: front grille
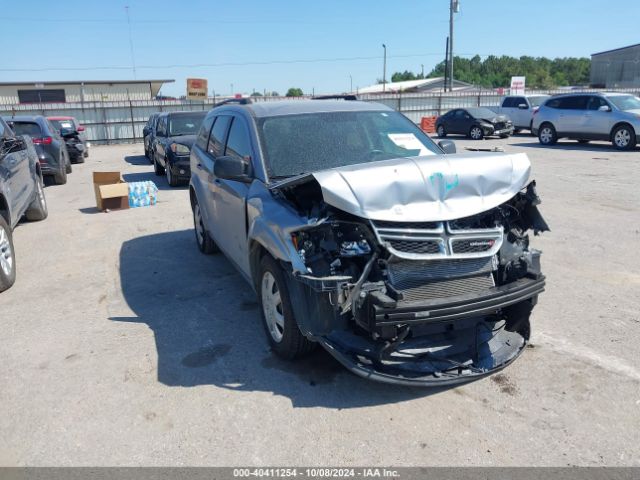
424,240
472,245
413,273
427,246
449,288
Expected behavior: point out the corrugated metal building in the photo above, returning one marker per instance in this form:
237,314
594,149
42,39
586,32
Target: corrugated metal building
13,93
619,68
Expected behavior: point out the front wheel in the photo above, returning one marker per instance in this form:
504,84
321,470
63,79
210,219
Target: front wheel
171,178
624,137
476,133
281,327
7,257
157,169
441,131
547,134
38,207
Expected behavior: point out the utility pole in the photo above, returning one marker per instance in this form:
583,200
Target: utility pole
384,69
350,84
422,65
133,57
454,7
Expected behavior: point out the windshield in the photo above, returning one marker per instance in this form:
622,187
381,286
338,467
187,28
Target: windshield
185,124
537,101
26,128
296,144
625,102
59,124
481,112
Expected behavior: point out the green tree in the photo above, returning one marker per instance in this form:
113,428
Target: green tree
294,92
256,94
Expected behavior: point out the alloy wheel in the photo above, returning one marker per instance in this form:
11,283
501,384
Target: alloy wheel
272,306
546,135
476,133
6,255
622,138
441,131
41,198
197,220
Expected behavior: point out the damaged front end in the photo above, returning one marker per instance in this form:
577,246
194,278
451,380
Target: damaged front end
416,302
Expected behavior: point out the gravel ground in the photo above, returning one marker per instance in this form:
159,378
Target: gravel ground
123,345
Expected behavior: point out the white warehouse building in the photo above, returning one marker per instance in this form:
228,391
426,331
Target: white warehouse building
14,93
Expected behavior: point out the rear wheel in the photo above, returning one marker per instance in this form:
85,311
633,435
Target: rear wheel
281,327
476,133
69,168
38,208
60,178
441,131
7,257
547,134
205,243
623,137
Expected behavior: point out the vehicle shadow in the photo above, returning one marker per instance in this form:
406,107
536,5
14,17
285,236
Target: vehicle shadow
208,330
137,160
161,182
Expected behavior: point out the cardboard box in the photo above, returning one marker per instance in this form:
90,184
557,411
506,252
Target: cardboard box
111,191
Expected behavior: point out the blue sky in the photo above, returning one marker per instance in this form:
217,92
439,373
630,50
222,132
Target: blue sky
87,34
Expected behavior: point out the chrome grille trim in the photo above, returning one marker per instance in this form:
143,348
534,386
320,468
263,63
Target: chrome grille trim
442,234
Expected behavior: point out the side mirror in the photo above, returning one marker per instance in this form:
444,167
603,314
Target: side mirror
523,106
447,146
231,168
604,108
80,128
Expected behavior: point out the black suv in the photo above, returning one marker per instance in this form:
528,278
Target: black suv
21,194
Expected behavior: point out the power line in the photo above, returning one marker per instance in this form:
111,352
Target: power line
228,64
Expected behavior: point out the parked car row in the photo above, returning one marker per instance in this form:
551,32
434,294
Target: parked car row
31,148
168,139
21,194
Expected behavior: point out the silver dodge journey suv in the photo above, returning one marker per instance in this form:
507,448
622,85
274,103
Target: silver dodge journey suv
613,117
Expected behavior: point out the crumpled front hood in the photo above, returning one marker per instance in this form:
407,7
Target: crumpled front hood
421,189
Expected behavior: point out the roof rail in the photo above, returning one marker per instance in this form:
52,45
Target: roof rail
239,101
349,97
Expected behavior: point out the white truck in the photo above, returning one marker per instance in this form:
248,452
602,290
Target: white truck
520,109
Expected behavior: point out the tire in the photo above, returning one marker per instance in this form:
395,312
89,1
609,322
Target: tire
171,179
151,156
7,257
279,323
60,178
442,133
69,168
476,133
158,170
505,135
623,137
80,159
547,134
38,207
205,243
517,130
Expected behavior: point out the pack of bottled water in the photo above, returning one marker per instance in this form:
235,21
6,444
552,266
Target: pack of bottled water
142,194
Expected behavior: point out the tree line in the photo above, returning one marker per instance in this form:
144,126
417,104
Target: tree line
494,71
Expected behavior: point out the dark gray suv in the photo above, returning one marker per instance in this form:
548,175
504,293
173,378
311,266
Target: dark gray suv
359,234
50,146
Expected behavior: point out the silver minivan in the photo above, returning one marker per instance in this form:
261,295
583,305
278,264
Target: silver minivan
613,117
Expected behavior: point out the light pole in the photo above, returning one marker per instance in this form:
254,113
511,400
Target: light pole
422,65
454,7
384,69
350,84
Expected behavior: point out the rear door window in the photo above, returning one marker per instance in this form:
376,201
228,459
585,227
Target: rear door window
217,137
579,102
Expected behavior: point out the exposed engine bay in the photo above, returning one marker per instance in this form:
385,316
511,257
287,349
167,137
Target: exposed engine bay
410,302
